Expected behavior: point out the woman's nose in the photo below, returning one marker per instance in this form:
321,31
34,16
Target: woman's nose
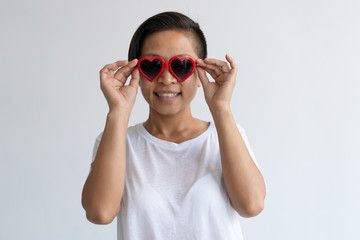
166,77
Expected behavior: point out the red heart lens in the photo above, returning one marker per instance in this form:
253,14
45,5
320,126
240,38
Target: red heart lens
180,68
151,69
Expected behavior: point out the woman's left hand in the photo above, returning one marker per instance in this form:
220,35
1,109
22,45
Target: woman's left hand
218,93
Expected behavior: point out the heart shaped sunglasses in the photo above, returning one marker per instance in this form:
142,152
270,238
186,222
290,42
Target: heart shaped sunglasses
180,67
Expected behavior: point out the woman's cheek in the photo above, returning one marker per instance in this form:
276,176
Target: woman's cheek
144,90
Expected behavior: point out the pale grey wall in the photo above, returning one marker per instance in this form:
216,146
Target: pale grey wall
297,96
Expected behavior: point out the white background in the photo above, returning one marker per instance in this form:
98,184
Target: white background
297,96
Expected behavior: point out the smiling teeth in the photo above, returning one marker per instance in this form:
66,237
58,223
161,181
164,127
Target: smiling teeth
167,95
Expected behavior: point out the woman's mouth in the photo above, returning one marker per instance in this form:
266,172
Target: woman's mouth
167,96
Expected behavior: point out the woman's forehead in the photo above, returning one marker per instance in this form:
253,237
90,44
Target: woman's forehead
168,43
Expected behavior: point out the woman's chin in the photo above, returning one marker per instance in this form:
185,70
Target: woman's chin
166,110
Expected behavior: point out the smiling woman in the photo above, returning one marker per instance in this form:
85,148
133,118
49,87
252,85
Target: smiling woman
172,176
168,96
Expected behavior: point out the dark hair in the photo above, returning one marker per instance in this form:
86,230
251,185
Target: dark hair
167,21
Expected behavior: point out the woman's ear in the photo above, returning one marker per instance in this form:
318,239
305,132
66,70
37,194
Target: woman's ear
198,78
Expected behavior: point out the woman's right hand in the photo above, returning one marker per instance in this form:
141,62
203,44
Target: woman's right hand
119,96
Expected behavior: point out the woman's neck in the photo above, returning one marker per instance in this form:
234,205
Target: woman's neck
175,128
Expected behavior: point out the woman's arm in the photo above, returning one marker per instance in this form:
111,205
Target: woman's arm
103,189
243,180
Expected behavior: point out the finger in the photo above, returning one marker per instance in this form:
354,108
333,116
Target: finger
108,69
126,69
115,65
121,63
210,69
123,73
233,65
202,75
135,78
224,67
214,69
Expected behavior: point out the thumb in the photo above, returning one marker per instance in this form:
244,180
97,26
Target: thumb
135,78
202,76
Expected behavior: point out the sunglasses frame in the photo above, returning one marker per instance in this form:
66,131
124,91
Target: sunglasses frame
166,65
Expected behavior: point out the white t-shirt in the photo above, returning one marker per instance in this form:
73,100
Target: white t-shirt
175,191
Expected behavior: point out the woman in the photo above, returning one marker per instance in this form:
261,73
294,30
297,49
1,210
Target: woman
184,178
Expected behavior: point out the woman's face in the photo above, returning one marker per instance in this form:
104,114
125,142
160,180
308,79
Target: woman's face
160,94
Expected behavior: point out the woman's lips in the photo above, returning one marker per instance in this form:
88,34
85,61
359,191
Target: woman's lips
166,94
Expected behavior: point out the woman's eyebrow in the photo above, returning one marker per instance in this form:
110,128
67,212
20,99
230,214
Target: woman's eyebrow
184,55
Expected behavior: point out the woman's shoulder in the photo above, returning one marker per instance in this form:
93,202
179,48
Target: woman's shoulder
135,128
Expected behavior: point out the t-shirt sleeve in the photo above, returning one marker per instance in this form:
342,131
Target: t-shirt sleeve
244,137
95,148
